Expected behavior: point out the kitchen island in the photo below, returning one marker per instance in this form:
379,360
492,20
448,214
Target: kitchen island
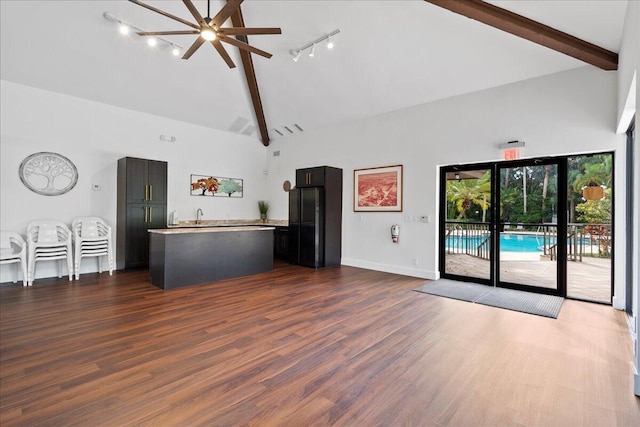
190,256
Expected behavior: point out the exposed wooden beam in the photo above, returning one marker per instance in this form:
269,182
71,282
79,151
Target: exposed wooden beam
532,30
250,74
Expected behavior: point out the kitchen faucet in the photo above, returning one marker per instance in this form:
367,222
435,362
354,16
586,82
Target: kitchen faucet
199,213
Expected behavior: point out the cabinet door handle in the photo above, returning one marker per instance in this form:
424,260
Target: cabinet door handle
146,193
150,192
145,213
150,213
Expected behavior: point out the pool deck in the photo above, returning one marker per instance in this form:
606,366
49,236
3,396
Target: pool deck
588,280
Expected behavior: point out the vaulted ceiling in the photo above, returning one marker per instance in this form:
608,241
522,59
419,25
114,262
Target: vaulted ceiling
388,55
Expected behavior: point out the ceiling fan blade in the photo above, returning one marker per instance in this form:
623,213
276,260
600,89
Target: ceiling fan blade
163,13
225,12
248,31
196,15
166,33
244,46
196,44
223,53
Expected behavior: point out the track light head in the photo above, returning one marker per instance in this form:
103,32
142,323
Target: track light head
329,43
296,54
313,51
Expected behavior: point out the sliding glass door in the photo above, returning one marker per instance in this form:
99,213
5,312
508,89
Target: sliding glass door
528,250
541,225
467,234
590,227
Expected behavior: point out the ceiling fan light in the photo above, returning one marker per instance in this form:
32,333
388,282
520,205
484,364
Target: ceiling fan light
313,51
124,29
208,34
175,51
151,41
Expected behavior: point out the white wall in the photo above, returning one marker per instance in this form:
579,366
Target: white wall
628,58
568,112
628,96
94,136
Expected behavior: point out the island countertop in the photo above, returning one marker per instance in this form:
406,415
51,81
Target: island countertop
208,229
206,223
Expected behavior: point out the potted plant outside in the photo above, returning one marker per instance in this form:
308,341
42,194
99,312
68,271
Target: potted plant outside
263,207
593,191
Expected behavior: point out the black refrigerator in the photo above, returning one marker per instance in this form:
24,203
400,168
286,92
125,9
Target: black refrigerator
315,217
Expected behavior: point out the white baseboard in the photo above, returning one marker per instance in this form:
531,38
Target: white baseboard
618,303
405,271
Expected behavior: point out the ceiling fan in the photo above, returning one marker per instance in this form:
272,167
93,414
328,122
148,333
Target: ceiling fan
211,30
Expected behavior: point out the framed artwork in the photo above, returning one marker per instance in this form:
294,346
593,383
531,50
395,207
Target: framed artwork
378,189
215,186
49,174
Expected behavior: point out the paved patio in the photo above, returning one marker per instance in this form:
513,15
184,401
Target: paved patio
589,280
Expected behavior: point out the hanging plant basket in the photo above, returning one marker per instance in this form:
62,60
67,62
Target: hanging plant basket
593,193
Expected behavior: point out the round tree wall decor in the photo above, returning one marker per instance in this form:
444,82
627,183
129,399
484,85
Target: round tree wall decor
49,174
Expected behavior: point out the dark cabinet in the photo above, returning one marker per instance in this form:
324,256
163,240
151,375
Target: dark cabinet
146,181
141,205
281,243
315,217
311,177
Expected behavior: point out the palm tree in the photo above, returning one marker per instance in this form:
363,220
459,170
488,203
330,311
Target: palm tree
467,192
595,173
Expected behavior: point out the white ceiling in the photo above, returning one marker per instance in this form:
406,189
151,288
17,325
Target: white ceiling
389,55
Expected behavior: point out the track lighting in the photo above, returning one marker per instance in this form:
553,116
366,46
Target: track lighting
296,52
125,29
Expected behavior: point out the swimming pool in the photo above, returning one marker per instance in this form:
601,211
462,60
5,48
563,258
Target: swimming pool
508,242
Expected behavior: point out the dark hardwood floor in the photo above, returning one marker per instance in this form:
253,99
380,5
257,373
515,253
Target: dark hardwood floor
298,347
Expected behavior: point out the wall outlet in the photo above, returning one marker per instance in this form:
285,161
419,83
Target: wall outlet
423,219
96,187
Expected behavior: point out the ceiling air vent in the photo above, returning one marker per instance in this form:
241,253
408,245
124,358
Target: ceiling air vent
285,130
249,130
243,126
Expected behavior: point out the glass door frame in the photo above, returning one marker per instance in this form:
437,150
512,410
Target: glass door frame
562,212
561,265
443,220
495,224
